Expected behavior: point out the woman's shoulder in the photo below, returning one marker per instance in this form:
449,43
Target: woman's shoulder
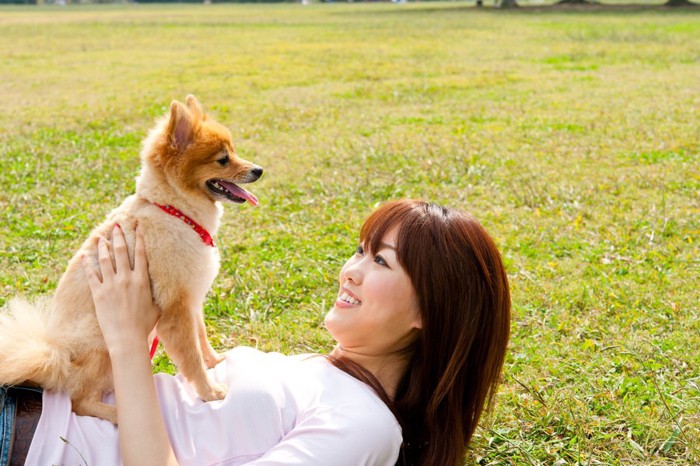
338,394
320,399
310,377
313,373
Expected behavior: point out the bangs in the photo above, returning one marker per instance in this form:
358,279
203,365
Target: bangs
400,214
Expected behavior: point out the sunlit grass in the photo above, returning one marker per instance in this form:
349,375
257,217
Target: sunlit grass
572,136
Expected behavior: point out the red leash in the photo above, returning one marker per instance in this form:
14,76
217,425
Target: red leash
154,345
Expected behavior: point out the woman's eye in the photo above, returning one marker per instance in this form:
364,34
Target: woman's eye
223,161
360,250
380,260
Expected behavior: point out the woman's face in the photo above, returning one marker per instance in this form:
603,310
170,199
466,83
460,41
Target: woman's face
376,312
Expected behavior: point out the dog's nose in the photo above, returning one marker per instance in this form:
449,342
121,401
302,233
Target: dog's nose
256,173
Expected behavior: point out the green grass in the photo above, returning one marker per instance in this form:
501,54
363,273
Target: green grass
572,135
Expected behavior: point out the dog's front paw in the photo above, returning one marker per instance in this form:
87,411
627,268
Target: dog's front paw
214,392
213,358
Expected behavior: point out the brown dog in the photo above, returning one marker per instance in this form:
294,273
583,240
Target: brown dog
188,165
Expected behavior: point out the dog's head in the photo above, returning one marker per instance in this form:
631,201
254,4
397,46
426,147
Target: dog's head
196,155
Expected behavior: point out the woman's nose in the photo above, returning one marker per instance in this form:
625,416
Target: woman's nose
352,271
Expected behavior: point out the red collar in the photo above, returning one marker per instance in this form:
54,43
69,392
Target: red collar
204,234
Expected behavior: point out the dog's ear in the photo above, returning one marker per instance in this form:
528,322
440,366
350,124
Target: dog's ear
195,107
180,126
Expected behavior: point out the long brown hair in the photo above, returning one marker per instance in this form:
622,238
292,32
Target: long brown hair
456,361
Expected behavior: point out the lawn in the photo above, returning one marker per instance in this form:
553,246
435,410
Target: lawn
573,136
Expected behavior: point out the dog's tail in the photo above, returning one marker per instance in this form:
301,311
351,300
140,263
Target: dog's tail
28,353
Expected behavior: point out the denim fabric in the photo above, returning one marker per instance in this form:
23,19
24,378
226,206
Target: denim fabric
7,423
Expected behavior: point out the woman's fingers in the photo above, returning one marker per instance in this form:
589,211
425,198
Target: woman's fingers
109,268
140,258
121,254
104,259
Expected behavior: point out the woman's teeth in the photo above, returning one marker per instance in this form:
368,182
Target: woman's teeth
348,299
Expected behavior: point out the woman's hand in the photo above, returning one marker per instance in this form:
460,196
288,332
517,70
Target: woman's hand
123,301
126,314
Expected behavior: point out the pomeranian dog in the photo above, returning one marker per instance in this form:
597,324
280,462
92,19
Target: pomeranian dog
188,165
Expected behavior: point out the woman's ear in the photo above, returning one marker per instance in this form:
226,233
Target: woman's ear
417,323
417,318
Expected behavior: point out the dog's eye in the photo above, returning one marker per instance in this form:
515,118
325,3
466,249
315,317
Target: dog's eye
224,161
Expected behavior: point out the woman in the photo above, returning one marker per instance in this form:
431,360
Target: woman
421,324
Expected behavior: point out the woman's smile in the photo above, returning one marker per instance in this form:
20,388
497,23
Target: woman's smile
347,298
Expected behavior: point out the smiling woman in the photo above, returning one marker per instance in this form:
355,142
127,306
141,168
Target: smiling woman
423,316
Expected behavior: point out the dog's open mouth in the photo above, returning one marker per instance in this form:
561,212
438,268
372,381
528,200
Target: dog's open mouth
231,192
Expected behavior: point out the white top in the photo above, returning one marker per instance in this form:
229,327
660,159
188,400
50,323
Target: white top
279,410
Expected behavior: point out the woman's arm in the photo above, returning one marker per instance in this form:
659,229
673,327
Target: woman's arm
126,314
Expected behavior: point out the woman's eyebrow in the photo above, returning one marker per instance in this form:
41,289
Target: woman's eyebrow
386,246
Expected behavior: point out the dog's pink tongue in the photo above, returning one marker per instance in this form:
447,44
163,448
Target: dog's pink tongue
240,192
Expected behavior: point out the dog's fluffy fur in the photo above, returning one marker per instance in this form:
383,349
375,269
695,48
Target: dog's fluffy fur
188,161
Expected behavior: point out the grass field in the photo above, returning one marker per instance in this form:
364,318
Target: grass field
572,135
